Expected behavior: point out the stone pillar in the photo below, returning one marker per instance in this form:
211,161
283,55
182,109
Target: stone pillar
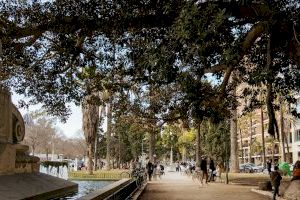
5,116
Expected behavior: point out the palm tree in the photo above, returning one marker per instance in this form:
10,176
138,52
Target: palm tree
90,118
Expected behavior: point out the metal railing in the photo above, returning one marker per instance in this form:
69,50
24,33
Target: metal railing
139,178
125,192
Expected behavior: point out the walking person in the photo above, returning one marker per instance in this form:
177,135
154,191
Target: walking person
149,170
296,171
203,167
155,171
269,166
275,180
158,170
162,168
212,170
177,166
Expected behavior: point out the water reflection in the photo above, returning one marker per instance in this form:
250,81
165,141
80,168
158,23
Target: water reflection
84,187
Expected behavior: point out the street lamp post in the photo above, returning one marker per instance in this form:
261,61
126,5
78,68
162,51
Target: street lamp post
171,153
142,147
142,163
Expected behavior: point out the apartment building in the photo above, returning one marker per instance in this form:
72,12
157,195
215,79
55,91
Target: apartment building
253,129
294,137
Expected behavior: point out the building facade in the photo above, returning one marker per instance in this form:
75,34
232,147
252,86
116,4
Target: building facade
253,129
294,137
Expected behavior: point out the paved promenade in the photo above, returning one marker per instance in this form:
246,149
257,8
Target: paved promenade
174,186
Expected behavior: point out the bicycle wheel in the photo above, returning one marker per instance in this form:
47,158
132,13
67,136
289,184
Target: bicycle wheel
201,177
194,176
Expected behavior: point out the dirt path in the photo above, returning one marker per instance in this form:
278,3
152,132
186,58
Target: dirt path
174,186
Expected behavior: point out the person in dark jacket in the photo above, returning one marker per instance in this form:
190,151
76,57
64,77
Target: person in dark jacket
269,166
275,180
149,170
212,169
203,167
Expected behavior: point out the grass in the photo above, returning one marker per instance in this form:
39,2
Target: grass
99,175
249,178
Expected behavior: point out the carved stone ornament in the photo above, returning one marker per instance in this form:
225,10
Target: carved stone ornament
12,128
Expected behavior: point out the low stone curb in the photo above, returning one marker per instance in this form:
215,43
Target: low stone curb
266,193
139,192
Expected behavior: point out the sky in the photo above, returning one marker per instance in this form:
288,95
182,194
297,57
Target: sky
70,128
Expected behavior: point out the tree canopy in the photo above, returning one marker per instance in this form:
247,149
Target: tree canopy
50,48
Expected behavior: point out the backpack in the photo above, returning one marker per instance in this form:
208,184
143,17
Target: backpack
296,172
275,178
162,168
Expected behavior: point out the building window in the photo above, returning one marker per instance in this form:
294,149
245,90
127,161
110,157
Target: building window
254,131
297,135
290,138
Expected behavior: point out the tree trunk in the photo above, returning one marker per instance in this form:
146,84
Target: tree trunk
119,151
273,151
101,109
47,156
198,145
233,142
184,153
250,142
90,158
242,146
263,137
282,132
227,165
152,146
288,130
108,135
286,139
90,119
33,150
95,152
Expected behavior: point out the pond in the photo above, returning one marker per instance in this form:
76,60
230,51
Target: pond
84,187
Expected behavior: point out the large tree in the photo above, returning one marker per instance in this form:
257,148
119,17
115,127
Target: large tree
90,119
47,45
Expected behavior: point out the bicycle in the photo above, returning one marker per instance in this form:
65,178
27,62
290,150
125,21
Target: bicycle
198,175
140,176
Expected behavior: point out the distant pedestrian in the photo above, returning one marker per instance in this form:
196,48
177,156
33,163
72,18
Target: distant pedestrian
177,166
158,170
275,180
149,170
212,169
162,168
269,166
203,167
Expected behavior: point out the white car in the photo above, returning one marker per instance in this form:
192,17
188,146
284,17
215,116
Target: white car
250,168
